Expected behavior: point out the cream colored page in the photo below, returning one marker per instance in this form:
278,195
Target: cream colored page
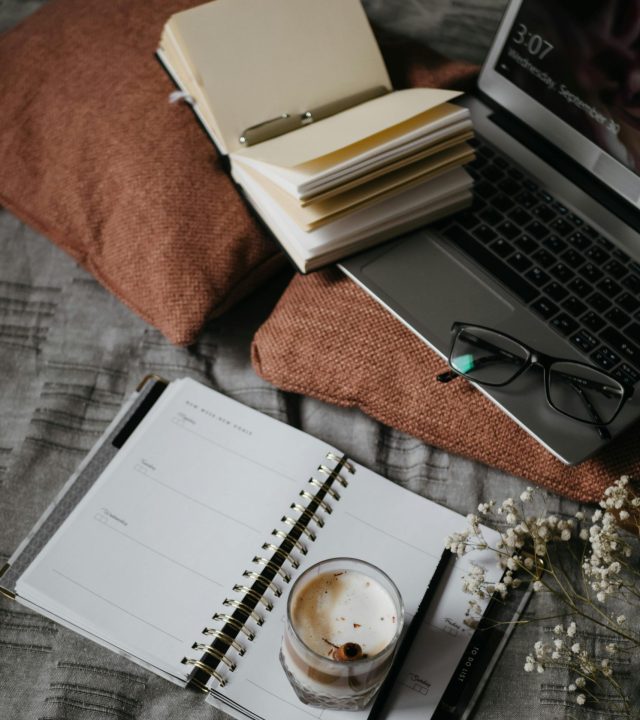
362,222
156,546
257,59
403,534
311,216
346,128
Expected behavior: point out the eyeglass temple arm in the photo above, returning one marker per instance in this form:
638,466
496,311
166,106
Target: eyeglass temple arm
599,426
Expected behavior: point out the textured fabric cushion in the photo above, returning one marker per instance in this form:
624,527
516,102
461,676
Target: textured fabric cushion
95,158
327,338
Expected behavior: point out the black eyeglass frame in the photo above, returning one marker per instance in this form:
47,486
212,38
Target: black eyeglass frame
542,360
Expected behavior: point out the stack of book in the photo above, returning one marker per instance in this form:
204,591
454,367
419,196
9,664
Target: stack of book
296,93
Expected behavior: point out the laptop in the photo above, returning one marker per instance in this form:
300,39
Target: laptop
549,253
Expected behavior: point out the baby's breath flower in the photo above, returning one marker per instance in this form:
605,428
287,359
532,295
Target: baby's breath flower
575,648
580,682
526,495
537,586
621,619
565,534
581,699
571,630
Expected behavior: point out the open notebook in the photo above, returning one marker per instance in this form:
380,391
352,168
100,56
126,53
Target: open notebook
148,547
296,93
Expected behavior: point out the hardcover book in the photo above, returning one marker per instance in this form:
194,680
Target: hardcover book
331,157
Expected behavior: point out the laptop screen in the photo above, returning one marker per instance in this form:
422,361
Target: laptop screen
581,60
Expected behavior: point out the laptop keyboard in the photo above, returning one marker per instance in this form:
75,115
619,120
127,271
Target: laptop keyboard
571,276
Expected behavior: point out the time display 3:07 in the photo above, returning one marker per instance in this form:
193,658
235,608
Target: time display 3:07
535,44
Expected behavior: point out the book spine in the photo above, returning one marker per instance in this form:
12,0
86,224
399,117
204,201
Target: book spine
261,586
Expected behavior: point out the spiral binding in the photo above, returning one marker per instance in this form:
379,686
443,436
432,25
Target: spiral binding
245,609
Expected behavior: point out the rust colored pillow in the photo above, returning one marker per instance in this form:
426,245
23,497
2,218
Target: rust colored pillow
328,338
95,158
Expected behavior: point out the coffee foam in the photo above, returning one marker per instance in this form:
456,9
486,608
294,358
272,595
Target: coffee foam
344,606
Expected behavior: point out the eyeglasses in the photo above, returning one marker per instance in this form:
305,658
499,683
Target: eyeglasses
574,389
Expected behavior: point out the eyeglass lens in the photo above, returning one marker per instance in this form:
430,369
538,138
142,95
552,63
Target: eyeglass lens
487,357
583,392
574,389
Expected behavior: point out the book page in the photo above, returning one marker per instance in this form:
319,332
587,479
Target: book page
346,128
156,546
403,534
256,60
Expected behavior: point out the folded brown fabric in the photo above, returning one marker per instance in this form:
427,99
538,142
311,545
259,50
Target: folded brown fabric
95,158
329,339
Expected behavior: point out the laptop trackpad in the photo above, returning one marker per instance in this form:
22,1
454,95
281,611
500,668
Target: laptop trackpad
429,286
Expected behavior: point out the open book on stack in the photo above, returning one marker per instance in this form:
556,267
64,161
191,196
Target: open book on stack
296,93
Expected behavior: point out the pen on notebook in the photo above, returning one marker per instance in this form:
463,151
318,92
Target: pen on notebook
409,636
292,121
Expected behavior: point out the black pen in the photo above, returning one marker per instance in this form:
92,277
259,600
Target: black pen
406,642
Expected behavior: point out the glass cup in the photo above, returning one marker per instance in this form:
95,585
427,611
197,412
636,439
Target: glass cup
344,620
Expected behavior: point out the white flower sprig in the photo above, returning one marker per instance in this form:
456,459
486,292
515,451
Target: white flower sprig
533,548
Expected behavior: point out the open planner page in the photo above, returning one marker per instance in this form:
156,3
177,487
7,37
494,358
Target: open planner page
157,544
403,534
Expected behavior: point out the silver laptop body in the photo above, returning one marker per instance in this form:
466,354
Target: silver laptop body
577,150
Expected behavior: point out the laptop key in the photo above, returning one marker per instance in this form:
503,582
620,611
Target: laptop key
502,202
597,255
525,199
564,324
526,243
544,213
492,173
598,302
562,272
554,243
538,230
537,276
590,272
509,186
628,302
543,257
615,269
572,258
545,308
593,321
619,343
561,226
520,217
584,340
626,374
590,231
556,291
520,262
484,233
468,219
579,241
579,287
617,317
502,247
607,244
485,190
609,287
491,216
517,284
605,358
633,332
632,282
509,230
573,306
